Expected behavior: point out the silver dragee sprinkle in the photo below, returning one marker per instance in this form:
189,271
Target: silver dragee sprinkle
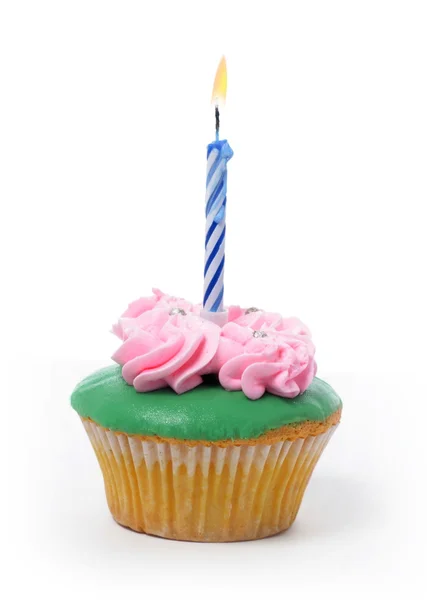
258,333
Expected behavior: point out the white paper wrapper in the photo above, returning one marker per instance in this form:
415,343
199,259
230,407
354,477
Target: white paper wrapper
204,492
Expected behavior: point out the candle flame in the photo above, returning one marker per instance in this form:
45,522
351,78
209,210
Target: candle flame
220,84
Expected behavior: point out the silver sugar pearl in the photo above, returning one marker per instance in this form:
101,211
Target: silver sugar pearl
177,311
258,333
251,310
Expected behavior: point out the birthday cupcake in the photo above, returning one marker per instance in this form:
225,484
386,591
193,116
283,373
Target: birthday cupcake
203,432
212,420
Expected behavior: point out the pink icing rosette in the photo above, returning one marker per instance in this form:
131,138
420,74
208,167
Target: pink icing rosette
161,349
167,343
157,300
277,358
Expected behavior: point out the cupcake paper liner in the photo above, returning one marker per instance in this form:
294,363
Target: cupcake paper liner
204,492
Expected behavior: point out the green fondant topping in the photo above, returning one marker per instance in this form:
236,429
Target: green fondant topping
207,412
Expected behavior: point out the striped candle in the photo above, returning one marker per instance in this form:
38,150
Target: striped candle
219,153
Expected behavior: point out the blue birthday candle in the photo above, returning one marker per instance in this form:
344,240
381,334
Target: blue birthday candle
219,153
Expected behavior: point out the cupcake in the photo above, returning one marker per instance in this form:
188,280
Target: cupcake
203,432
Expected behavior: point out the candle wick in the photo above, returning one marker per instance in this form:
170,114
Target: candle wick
216,122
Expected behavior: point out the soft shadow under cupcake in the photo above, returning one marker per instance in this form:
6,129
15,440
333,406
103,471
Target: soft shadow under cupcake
332,505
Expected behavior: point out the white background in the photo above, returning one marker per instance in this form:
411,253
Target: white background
104,119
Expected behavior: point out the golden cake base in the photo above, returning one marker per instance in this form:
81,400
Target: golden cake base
206,492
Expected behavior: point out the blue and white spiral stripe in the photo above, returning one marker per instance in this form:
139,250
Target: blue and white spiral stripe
219,153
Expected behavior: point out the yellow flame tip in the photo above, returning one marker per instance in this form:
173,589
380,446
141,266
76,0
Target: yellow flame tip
219,90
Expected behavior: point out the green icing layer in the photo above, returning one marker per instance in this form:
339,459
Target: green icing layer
207,412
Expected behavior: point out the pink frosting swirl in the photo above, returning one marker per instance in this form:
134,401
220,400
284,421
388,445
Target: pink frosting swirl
158,300
167,343
278,359
161,349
